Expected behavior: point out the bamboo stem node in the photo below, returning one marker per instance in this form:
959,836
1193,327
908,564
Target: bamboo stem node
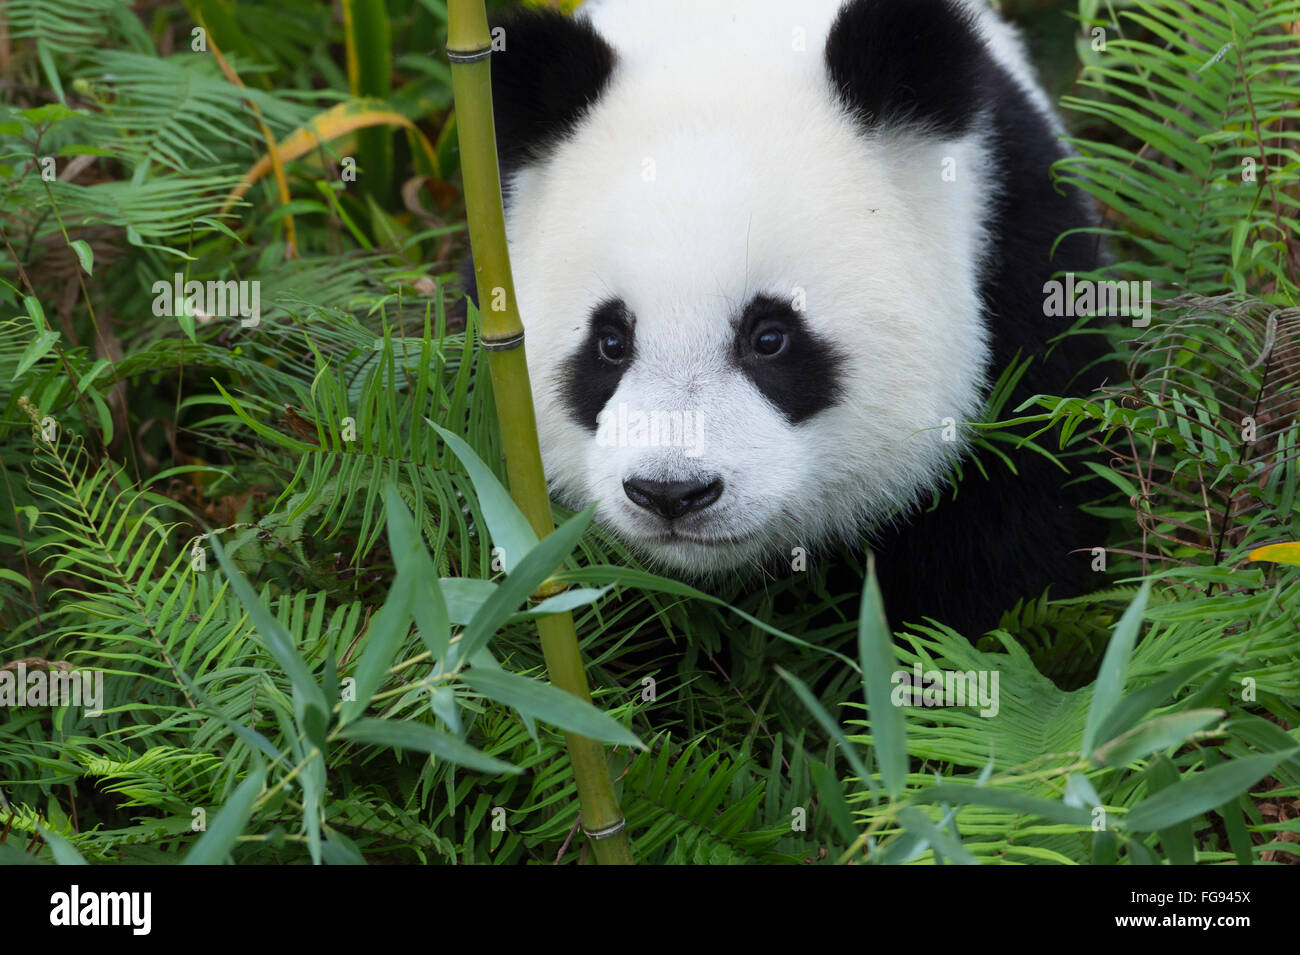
607,832
502,344
549,588
469,56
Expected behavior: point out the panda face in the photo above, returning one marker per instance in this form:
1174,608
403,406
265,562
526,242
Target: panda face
749,319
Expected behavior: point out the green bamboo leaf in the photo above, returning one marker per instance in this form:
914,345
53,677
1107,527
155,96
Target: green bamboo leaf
831,796
265,431
1176,839
1153,736
228,824
555,706
1267,735
420,738
1105,847
411,558
644,580
961,794
1234,819
563,603
1195,794
35,312
102,414
65,853
1239,233
1139,853
907,846
1141,702
944,844
384,637
1109,685
442,700
338,849
464,596
876,655
507,525
1079,792
537,565
277,640
831,727
85,255
37,349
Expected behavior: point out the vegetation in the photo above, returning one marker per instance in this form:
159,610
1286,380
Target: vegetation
274,525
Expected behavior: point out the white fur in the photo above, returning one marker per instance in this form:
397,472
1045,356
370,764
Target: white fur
760,183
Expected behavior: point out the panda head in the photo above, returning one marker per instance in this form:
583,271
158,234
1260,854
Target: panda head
750,289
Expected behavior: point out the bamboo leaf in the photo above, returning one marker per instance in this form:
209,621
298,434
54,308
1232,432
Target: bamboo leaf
876,655
945,846
545,702
1154,735
961,794
425,739
224,830
1079,792
831,797
40,346
509,528
277,640
387,631
1109,685
1195,794
535,567
65,853
412,559
1286,553
831,727
329,125
85,255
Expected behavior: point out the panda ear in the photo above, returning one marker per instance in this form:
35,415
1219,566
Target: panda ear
547,70
909,63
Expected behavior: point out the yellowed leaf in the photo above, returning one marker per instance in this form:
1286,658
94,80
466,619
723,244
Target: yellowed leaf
335,122
273,154
1288,553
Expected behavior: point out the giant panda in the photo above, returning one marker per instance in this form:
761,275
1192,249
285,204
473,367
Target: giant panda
768,254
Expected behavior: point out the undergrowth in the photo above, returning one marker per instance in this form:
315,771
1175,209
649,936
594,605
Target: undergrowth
250,529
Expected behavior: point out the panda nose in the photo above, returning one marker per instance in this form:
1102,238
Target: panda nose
673,499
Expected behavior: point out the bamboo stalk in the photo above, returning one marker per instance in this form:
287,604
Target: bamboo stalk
469,47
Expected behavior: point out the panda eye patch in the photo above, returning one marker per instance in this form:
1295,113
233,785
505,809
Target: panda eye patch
794,369
595,367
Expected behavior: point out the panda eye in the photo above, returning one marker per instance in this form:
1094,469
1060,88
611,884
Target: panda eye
611,346
769,342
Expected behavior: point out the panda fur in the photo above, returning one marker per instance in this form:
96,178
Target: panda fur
822,228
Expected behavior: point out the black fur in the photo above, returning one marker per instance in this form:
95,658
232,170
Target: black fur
914,62
803,378
590,380
1009,536
553,68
